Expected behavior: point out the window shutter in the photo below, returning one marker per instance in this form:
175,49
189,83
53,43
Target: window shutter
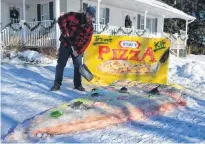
138,21
85,6
156,24
51,10
107,16
38,12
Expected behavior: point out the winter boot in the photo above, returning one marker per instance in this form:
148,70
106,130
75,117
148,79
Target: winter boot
55,87
80,88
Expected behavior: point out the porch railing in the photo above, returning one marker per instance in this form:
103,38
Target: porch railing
43,34
177,45
34,34
10,37
116,30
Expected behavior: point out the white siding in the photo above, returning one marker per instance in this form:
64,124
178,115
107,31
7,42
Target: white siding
4,14
73,5
63,6
117,15
41,2
31,12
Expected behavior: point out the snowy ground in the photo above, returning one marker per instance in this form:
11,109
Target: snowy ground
25,93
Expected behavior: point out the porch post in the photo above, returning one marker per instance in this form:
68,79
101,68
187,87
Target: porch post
185,42
0,33
24,20
145,20
57,15
81,6
163,16
24,10
98,16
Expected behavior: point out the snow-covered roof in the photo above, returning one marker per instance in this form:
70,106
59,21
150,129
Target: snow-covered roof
153,7
164,9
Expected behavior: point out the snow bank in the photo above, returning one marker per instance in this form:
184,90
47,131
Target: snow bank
27,56
25,93
188,71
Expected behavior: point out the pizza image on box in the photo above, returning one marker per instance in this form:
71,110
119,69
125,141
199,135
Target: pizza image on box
115,67
141,68
124,67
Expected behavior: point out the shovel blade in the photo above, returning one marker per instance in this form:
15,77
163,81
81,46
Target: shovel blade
85,72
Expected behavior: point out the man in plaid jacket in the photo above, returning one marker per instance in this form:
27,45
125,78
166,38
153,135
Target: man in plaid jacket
76,30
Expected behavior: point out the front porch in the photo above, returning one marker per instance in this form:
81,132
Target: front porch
45,33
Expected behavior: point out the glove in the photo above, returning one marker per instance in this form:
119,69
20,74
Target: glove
75,53
64,38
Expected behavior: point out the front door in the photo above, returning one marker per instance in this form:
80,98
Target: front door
132,18
14,14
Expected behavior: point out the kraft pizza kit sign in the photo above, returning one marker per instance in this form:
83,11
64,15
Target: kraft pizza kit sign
112,58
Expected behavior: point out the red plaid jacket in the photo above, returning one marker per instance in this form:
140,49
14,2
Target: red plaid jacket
79,31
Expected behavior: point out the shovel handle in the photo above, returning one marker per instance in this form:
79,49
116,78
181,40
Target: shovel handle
72,48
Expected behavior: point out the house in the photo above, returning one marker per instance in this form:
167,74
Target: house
34,20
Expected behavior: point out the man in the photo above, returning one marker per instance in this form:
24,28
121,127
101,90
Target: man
76,30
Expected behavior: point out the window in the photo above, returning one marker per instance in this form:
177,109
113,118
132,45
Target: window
45,12
150,24
141,22
154,25
104,15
